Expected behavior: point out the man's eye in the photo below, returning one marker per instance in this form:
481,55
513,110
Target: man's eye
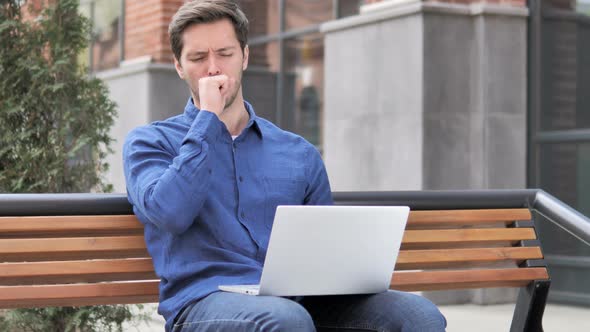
196,59
226,54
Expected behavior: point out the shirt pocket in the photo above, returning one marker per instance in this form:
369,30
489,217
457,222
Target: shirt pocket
281,190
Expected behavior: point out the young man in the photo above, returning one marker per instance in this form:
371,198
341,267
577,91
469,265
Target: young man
206,185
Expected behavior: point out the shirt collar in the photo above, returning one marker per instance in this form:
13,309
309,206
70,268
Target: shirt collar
191,111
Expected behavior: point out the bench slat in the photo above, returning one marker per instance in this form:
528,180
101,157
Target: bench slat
76,271
70,226
438,258
78,294
147,291
459,279
471,217
467,235
128,223
12,250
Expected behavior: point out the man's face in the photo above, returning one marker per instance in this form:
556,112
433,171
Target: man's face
211,49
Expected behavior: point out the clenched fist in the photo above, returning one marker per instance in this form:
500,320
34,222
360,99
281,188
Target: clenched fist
215,92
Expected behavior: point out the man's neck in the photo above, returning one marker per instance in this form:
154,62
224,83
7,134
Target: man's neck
235,117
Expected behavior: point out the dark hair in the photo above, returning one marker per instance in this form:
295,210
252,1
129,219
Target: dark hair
206,11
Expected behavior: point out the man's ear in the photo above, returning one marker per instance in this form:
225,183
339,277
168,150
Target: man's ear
178,68
246,53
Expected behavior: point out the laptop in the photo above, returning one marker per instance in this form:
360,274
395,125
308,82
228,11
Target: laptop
330,250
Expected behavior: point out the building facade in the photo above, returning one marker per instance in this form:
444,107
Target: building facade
396,94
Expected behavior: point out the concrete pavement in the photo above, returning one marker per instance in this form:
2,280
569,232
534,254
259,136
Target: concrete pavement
494,318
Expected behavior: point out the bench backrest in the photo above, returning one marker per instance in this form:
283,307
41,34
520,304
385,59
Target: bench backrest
74,261
102,259
457,249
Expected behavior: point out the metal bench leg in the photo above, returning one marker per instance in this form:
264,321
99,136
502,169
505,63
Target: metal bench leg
530,305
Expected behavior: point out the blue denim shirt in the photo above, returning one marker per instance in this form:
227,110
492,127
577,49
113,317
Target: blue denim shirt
208,202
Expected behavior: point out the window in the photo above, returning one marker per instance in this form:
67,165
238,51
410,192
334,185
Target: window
583,7
304,65
559,132
560,103
105,49
304,13
284,80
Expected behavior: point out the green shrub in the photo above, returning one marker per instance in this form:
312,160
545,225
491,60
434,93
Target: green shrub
54,133
54,119
69,319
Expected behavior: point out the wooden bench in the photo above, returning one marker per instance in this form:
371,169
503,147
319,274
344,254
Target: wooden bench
67,253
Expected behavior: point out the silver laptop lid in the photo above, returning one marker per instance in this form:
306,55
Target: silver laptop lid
328,250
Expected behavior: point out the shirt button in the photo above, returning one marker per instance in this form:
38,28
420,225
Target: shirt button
243,214
241,179
210,171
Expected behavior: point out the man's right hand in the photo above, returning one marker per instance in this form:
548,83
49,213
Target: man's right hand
213,92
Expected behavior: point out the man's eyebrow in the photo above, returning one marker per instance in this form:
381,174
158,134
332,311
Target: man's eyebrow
197,53
225,49
219,50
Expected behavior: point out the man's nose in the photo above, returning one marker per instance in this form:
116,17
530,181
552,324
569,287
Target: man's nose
212,68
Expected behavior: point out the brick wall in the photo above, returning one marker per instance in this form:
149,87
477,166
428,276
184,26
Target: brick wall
30,9
146,28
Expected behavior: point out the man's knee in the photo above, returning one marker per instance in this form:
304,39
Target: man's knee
236,312
421,314
431,319
285,315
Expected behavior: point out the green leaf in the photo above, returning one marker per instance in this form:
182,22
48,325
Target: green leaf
54,119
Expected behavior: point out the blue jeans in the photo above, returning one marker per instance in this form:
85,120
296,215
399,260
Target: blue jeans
389,311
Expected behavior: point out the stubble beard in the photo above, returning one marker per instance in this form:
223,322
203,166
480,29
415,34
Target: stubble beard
232,98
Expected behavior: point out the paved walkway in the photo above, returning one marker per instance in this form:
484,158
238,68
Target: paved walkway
467,317
494,318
